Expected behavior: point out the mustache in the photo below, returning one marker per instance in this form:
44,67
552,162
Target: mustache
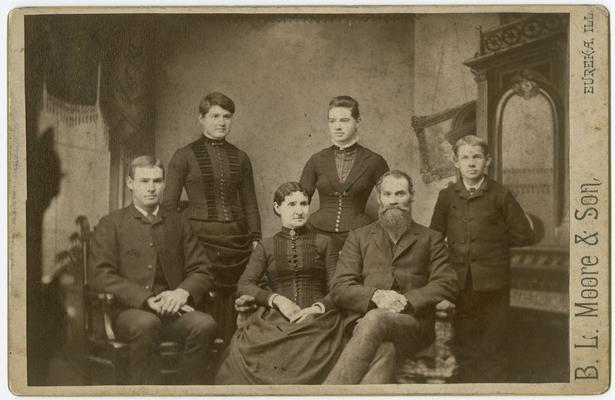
384,209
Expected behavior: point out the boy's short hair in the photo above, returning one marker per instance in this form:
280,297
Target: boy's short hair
396,174
471,140
216,99
144,162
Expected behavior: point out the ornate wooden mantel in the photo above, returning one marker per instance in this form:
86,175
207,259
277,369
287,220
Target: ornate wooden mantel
516,64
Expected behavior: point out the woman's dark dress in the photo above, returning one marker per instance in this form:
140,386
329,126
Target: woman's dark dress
223,213
344,180
267,348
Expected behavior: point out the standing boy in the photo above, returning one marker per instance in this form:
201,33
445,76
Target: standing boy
481,220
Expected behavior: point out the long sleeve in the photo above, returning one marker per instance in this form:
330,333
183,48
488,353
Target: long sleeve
175,180
348,291
331,257
197,267
380,168
439,217
247,196
251,279
309,177
104,267
442,283
520,232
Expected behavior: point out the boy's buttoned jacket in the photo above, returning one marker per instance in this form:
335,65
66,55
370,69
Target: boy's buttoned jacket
127,248
480,229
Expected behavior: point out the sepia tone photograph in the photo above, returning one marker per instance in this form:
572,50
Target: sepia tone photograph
348,201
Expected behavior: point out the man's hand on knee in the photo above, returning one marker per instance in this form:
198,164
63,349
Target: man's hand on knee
171,301
154,304
389,300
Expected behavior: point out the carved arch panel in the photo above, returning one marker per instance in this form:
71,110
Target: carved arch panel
529,150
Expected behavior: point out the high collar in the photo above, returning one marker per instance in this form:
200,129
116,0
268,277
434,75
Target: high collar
297,232
350,146
213,142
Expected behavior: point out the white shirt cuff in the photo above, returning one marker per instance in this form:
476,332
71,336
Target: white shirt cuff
320,306
271,298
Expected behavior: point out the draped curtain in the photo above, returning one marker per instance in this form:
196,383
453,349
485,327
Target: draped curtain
88,98
76,45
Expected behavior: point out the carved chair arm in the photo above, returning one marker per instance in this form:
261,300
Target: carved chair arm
247,307
104,303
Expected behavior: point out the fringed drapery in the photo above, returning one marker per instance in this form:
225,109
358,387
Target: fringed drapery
68,114
127,90
72,49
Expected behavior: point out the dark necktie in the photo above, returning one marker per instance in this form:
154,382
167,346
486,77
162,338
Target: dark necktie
472,190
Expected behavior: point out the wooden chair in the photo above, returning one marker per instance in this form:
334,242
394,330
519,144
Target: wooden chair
108,358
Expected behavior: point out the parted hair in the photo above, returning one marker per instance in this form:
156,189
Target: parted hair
216,99
145,161
346,102
287,189
396,174
471,140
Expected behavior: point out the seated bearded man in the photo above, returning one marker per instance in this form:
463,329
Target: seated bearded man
390,276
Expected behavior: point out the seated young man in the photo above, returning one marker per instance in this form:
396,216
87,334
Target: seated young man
151,262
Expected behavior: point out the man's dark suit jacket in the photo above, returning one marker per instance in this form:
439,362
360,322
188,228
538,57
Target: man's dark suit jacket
126,248
418,269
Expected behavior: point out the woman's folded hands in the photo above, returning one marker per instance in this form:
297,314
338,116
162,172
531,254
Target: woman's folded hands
292,311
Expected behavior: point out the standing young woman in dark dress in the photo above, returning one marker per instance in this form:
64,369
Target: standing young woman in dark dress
344,174
222,207
295,335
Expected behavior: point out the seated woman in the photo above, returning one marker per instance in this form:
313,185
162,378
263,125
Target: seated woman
295,335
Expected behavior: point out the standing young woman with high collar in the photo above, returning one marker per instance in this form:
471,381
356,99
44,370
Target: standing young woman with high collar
344,174
222,207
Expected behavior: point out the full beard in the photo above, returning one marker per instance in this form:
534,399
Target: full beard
396,218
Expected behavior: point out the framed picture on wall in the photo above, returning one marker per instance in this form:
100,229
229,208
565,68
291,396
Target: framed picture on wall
437,133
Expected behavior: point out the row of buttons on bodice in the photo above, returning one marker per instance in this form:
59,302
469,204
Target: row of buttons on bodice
293,261
340,206
217,150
